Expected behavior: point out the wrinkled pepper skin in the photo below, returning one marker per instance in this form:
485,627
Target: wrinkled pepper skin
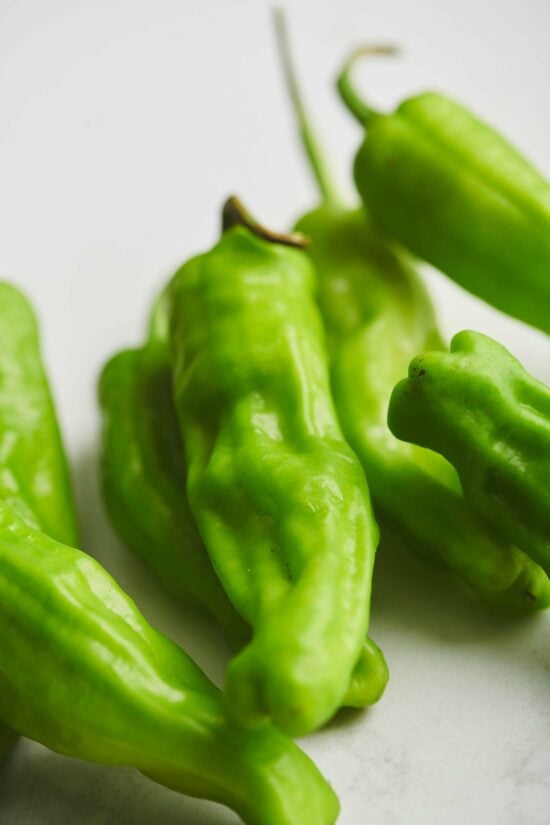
377,315
34,477
280,499
144,479
82,672
144,476
478,406
457,194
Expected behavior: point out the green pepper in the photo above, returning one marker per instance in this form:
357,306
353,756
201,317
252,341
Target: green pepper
377,316
280,499
456,193
34,477
82,672
479,407
144,476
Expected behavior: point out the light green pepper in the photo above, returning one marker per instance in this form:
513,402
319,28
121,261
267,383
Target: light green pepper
144,476
34,476
377,316
477,406
456,193
82,672
280,500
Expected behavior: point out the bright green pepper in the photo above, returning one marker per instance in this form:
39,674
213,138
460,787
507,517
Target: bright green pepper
144,472
377,315
374,326
7,740
144,478
34,477
479,408
457,194
280,499
82,672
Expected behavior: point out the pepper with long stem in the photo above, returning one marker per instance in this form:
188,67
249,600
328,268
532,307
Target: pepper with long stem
378,316
452,190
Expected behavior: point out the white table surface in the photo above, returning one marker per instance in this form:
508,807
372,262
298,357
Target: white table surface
122,127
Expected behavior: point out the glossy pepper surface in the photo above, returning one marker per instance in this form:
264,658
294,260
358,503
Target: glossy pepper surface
377,315
457,194
34,477
479,407
280,499
373,326
144,480
144,476
82,672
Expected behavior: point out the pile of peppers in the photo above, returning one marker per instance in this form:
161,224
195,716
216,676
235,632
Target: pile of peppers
257,444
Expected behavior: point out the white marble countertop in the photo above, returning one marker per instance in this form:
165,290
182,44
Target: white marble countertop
123,126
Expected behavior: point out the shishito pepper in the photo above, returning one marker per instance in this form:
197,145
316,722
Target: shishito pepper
377,316
34,476
80,669
82,672
280,499
457,194
477,406
144,477
143,471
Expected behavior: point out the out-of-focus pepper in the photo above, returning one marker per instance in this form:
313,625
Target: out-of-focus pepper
7,740
144,477
34,477
377,316
456,193
477,406
82,672
280,499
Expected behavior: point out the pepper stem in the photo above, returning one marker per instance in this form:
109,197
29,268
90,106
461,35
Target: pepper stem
364,113
308,136
235,214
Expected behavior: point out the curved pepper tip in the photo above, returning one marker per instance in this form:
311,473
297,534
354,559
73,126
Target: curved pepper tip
530,590
369,679
259,687
397,418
